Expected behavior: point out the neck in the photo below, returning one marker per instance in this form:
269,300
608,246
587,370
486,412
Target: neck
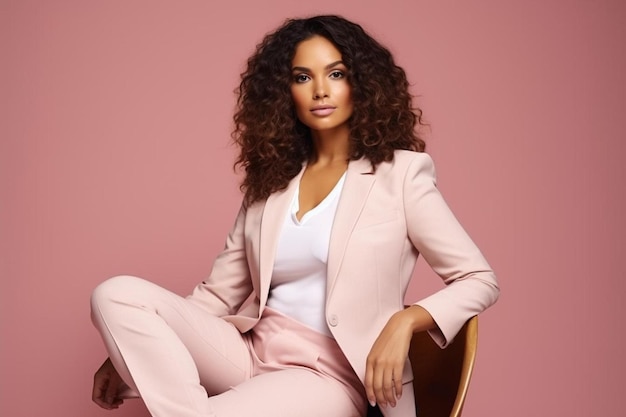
331,146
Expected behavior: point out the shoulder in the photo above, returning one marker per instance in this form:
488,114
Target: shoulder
406,162
412,157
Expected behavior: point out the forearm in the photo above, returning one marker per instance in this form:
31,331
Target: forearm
417,318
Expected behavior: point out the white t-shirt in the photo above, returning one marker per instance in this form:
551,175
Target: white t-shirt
298,287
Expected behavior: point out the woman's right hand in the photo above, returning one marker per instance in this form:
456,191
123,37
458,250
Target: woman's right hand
107,384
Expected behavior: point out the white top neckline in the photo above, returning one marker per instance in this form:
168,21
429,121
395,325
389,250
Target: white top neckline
330,197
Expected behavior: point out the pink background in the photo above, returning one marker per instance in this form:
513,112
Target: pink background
114,158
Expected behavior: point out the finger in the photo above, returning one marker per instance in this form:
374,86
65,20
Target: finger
101,400
111,390
95,392
378,385
116,403
99,389
369,385
398,382
388,388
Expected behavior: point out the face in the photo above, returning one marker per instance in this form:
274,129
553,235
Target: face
320,89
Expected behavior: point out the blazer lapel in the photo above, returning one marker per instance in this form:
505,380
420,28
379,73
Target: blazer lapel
359,180
274,213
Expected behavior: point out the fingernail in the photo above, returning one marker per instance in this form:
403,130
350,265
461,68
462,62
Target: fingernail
372,403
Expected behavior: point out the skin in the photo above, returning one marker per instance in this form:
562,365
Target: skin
107,385
385,362
320,79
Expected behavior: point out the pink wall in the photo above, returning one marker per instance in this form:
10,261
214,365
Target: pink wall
114,159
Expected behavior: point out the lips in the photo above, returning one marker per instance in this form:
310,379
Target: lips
322,111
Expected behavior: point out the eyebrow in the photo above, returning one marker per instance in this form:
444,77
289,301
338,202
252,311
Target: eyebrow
329,66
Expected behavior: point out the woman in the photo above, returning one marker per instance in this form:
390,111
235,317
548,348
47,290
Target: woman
302,314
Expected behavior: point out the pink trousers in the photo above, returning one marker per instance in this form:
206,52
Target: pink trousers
184,362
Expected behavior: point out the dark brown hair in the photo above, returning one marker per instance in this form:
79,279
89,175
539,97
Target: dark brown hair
274,143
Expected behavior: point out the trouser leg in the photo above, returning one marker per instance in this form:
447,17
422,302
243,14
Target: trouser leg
169,350
297,372
290,392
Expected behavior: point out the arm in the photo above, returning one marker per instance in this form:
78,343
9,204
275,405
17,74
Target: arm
229,283
470,283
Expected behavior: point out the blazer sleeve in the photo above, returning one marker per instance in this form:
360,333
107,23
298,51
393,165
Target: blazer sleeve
471,285
229,283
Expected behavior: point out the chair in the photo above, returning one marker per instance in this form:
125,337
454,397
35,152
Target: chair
441,376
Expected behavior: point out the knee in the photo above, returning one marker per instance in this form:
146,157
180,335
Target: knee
116,289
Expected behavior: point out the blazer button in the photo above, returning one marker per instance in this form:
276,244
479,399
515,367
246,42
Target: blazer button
333,320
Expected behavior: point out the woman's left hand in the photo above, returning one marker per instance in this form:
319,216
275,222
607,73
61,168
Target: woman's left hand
385,362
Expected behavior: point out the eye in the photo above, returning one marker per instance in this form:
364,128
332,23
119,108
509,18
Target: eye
337,75
301,78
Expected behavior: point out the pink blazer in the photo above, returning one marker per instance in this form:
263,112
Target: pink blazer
384,220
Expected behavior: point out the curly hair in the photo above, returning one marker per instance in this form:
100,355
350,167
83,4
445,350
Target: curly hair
274,143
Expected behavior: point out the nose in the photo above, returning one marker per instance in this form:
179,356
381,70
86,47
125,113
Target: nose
320,90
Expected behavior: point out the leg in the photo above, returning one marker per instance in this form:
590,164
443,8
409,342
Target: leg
298,372
166,348
293,392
